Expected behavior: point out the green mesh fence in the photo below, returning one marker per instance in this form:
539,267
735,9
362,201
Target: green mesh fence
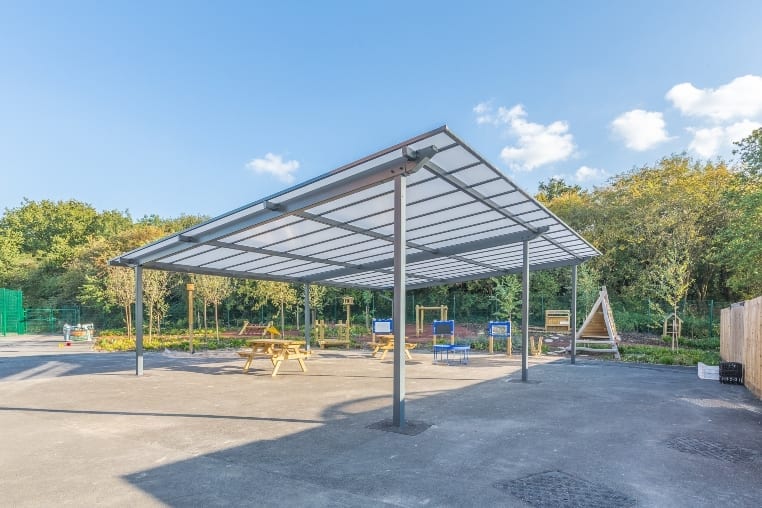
11,312
50,321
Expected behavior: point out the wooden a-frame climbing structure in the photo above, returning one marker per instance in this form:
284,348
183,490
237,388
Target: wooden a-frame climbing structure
599,328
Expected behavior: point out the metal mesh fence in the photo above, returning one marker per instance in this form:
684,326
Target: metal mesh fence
11,311
49,320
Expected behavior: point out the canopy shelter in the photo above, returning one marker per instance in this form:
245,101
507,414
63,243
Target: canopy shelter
425,212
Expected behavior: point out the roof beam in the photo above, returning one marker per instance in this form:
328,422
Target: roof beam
534,268
465,188
445,252
484,199
170,267
408,163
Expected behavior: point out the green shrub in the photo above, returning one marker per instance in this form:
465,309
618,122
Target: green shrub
665,356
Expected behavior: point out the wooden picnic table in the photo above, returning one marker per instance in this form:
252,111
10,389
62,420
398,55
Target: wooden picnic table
386,344
277,350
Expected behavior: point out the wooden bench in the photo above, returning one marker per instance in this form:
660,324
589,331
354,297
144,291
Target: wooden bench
387,344
253,352
277,350
252,330
324,343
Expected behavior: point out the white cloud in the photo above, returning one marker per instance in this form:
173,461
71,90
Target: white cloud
537,144
586,174
274,165
483,112
708,142
641,130
741,98
740,130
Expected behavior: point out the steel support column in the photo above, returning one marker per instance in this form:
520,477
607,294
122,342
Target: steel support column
138,320
525,312
573,348
398,312
307,317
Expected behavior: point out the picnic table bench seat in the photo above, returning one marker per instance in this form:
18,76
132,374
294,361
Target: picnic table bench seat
324,343
387,344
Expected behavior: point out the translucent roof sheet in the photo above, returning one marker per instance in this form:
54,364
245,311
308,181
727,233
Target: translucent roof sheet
465,220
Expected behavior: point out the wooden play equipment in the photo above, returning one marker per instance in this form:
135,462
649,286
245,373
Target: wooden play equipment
557,321
419,312
347,302
535,348
342,337
673,326
500,329
250,329
599,328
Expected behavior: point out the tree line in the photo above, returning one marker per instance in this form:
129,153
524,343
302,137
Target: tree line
675,229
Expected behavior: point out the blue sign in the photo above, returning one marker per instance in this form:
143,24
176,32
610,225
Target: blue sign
444,327
499,328
382,326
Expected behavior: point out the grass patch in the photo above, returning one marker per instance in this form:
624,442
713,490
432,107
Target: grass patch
113,343
663,355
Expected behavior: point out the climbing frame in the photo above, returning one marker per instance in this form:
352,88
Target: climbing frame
599,328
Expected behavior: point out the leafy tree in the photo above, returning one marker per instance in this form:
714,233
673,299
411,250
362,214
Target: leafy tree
750,152
742,249
120,290
588,287
155,291
670,280
641,211
507,295
554,188
214,290
317,300
280,294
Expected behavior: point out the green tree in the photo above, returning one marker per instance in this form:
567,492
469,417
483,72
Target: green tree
281,294
643,210
554,188
155,291
213,289
120,291
670,280
588,287
507,295
741,249
749,152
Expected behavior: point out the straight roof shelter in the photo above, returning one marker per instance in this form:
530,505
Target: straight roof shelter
425,212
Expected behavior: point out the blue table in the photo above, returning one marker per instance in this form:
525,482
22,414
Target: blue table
442,352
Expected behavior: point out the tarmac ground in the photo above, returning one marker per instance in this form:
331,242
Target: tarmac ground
79,428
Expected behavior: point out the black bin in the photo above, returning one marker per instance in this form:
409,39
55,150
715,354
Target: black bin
731,373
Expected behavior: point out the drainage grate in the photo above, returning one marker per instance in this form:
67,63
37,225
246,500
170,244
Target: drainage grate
711,449
553,489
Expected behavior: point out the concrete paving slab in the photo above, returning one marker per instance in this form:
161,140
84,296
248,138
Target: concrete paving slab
80,429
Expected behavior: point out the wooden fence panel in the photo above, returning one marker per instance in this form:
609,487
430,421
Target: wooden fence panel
752,353
741,341
731,334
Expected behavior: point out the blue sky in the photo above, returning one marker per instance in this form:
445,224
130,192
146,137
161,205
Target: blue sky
201,107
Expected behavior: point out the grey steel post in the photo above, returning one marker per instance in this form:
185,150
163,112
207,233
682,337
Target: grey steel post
307,316
398,312
574,315
525,312
138,320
